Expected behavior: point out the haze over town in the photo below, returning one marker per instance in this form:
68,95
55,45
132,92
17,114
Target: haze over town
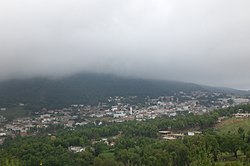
204,42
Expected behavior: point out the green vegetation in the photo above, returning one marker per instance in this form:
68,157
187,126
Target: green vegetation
232,125
15,112
108,154
136,143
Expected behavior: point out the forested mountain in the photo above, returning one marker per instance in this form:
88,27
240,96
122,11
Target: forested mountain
84,88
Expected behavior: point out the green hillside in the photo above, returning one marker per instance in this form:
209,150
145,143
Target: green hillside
232,125
84,88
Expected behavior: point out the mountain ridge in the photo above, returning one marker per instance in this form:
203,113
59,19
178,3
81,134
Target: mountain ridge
87,89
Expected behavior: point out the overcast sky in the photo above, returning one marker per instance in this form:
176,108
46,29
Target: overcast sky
200,41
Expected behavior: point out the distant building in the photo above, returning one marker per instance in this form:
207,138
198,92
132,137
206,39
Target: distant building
242,115
2,134
45,116
119,114
131,111
81,123
192,133
169,135
76,149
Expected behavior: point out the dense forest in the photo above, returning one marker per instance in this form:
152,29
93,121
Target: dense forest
136,143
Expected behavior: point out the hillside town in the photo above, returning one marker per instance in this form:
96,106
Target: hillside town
116,110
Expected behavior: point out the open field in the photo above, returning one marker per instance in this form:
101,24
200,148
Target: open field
15,112
232,125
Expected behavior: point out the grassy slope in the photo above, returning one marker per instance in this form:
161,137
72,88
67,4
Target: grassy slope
232,125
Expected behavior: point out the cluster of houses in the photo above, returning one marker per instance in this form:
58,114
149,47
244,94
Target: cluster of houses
2,119
165,106
79,149
241,114
169,135
118,109
31,125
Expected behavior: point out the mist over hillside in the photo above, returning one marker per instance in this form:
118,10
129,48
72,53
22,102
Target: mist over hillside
86,89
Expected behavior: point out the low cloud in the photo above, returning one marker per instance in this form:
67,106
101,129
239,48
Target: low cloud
204,42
